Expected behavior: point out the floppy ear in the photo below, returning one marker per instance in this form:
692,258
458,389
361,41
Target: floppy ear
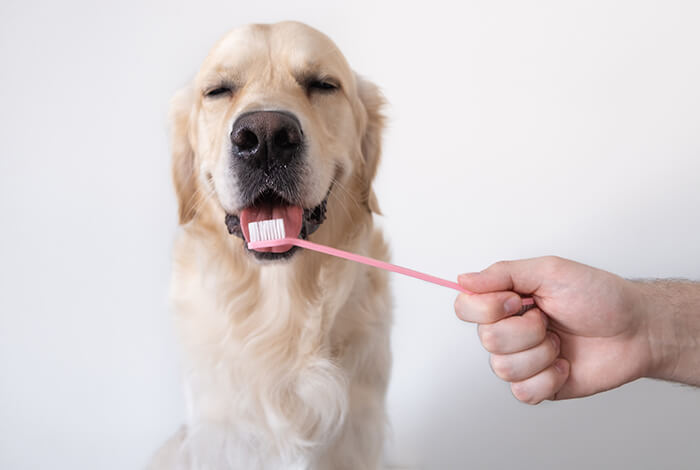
373,101
183,165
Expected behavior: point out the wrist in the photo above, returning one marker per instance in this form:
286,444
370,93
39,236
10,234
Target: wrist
660,330
671,312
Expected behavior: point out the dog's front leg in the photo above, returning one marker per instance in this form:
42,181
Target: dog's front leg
360,441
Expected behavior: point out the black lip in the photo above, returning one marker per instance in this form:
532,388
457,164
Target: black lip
312,220
270,256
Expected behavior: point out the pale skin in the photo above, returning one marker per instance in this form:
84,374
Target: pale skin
592,331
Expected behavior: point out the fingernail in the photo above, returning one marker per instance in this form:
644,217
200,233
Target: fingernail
512,305
560,366
555,340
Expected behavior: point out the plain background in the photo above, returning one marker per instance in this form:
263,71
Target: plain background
516,129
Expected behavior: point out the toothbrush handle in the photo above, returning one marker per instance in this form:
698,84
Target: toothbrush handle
383,265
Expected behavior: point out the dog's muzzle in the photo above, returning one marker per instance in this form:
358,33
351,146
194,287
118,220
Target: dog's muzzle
268,158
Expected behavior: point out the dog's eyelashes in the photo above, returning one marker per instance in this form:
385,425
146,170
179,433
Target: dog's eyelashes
323,86
219,91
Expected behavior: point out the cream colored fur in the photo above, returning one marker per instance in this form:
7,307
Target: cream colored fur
286,363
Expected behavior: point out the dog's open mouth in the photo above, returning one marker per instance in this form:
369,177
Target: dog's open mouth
299,222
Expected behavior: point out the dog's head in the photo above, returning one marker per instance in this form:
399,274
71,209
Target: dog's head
274,124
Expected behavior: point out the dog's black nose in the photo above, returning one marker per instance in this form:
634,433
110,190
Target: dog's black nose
266,137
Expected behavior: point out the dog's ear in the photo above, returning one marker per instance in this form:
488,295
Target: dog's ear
373,102
183,164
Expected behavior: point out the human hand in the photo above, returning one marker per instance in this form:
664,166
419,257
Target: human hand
589,332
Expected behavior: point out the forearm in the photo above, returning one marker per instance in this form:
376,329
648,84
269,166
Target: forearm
672,310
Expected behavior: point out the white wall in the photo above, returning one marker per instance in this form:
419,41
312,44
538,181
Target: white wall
516,129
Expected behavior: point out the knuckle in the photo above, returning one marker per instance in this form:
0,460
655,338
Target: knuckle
554,263
459,307
520,392
489,338
488,316
524,393
478,309
499,265
502,367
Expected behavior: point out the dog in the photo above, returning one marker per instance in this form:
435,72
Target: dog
286,351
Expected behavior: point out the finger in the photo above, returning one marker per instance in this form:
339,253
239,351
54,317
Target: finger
524,276
514,334
487,308
525,364
544,385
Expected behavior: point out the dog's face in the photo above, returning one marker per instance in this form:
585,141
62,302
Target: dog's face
274,122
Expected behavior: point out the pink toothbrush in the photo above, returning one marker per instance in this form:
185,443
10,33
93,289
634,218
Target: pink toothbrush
271,233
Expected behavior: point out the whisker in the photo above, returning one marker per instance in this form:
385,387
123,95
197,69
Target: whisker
201,199
340,202
347,193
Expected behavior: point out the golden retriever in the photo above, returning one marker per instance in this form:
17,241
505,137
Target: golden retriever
286,352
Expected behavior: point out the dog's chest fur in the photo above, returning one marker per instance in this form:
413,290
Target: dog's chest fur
271,355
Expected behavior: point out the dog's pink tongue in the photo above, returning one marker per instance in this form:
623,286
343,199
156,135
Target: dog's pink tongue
292,216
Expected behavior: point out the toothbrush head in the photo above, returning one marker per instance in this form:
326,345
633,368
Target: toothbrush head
266,230
267,234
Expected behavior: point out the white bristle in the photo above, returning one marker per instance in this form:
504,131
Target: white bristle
266,230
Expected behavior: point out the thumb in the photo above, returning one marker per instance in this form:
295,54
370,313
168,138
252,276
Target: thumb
522,276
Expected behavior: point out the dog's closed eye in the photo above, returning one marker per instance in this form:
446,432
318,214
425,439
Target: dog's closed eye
321,85
218,91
